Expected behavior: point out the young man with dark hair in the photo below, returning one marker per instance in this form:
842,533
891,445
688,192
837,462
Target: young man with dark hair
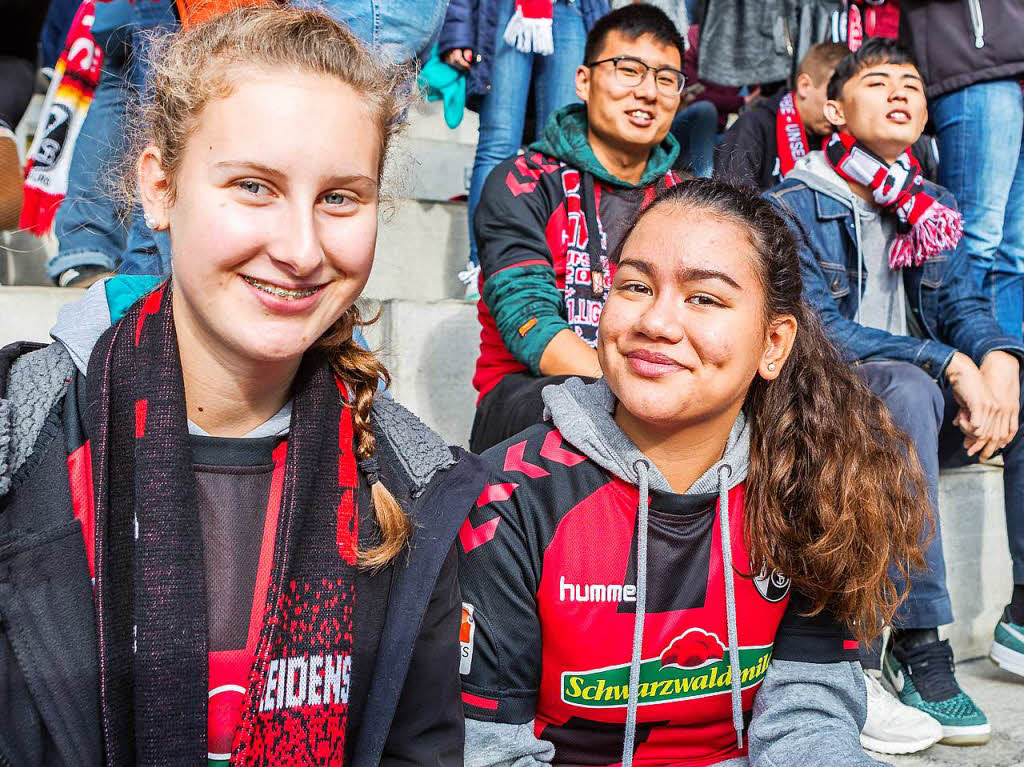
759,149
549,218
885,266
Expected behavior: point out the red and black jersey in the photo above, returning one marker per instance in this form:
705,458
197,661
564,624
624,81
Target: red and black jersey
544,219
548,574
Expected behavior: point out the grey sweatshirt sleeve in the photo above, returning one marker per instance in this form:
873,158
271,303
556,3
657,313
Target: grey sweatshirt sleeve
493,744
809,714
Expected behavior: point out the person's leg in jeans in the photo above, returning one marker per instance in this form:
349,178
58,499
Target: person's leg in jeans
695,129
952,454
554,82
916,405
502,115
88,225
917,664
145,251
979,156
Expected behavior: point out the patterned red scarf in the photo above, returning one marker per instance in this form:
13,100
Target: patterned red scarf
898,188
150,584
790,136
67,101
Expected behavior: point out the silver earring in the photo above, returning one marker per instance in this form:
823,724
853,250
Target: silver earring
771,366
150,221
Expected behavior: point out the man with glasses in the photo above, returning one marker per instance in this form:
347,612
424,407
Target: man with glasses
550,218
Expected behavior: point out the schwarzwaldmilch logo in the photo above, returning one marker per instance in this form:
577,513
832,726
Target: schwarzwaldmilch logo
694,665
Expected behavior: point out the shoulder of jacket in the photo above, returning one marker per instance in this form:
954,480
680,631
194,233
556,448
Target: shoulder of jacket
419,451
36,381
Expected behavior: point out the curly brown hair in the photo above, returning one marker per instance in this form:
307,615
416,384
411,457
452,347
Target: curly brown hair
835,494
202,63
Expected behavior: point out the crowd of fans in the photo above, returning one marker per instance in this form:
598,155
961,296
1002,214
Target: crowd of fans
888,136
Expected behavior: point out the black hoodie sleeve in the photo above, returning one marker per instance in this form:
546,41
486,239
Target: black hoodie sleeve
428,727
746,156
519,286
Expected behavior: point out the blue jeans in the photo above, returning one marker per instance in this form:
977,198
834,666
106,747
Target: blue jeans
90,228
979,130
399,29
503,110
695,128
925,413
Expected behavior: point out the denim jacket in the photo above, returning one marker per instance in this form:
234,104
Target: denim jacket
952,312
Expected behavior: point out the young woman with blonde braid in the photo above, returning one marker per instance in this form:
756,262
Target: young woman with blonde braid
218,545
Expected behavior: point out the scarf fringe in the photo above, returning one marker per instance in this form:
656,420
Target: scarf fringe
528,35
939,229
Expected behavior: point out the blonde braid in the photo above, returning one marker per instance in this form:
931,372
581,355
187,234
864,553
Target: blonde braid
361,370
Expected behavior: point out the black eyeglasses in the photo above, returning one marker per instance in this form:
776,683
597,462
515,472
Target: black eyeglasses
630,72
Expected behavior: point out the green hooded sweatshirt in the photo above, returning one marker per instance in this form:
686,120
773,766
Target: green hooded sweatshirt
565,138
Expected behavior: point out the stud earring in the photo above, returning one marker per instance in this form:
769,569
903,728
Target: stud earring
771,366
150,221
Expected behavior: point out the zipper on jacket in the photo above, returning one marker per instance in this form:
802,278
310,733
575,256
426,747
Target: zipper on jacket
977,22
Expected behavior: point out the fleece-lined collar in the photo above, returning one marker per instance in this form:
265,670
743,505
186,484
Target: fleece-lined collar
565,138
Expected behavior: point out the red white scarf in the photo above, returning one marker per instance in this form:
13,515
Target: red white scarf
74,81
529,29
790,135
899,189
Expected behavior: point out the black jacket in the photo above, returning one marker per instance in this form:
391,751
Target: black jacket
749,152
961,42
49,677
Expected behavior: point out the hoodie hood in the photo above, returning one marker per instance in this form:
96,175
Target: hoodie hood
813,169
81,323
583,414
565,138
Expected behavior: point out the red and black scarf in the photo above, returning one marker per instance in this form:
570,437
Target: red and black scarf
790,136
150,591
931,227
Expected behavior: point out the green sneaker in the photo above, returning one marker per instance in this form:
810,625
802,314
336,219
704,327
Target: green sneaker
923,677
1008,645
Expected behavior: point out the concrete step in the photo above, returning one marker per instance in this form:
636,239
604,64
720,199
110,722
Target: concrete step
1001,696
421,247
431,347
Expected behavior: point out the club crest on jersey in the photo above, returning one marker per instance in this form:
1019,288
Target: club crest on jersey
694,665
774,587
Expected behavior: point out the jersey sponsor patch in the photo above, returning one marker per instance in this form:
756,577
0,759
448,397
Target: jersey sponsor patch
695,664
467,630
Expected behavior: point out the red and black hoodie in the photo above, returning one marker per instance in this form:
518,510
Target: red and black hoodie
554,587
547,221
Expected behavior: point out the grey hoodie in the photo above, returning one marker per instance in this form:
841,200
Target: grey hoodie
804,713
882,302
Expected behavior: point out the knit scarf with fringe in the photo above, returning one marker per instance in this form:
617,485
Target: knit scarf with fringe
930,227
529,29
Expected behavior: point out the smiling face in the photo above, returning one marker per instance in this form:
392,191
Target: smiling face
273,217
634,119
682,332
883,106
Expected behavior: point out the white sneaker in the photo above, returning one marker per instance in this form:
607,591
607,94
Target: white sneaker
469,277
892,727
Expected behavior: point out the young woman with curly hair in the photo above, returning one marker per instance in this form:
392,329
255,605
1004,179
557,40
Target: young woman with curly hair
676,566
218,543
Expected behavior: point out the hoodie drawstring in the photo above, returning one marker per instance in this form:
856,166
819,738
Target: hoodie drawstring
641,468
724,472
